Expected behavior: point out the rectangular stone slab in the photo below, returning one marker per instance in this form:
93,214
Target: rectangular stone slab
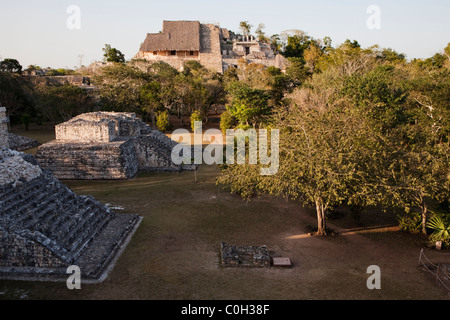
282,262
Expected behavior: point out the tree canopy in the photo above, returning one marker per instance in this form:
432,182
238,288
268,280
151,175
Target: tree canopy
113,54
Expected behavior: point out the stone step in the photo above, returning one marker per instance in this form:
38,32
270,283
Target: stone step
58,197
18,197
87,229
90,230
67,206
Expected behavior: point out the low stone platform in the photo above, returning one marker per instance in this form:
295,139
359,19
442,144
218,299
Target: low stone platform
244,256
21,143
106,146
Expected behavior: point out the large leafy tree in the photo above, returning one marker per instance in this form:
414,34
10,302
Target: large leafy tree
121,88
425,174
249,106
316,153
10,66
62,102
349,137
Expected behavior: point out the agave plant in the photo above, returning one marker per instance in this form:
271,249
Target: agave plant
441,229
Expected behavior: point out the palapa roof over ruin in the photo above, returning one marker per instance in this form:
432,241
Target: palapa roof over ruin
176,35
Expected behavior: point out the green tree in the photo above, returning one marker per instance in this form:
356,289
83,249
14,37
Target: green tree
245,27
248,106
275,43
120,88
162,121
296,46
10,66
314,167
150,99
17,95
62,102
261,34
425,170
227,121
195,116
167,76
113,54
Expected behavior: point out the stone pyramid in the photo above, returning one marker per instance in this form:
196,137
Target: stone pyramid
45,227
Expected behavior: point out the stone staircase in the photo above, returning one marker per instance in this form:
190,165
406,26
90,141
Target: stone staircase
45,227
54,216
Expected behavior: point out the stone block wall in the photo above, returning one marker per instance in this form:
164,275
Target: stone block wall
4,140
82,130
153,154
210,54
17,251
14,169
79,161
128,127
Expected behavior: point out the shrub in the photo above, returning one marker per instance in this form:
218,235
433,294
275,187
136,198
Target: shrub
226,121
162,121
441,227
411,222
195,116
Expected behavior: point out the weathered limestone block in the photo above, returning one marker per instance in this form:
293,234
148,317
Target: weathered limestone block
14,169
4,139
82,130
18,251
153,154
81,160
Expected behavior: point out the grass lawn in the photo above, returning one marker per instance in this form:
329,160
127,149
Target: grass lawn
174,254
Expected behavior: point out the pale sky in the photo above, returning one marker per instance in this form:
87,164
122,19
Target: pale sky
36,32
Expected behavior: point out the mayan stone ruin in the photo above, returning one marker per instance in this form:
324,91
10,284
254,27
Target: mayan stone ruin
244,256
45,227
214,47
106,146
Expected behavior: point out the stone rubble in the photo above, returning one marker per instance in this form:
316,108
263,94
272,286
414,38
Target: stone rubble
245,256
20,143
15,170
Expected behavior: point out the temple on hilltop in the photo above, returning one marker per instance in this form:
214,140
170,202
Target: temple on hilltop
215,48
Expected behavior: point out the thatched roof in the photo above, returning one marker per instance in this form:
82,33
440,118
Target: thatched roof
176,35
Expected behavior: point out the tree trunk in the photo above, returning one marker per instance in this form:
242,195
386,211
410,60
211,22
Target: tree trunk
152,119
321,223
424,218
